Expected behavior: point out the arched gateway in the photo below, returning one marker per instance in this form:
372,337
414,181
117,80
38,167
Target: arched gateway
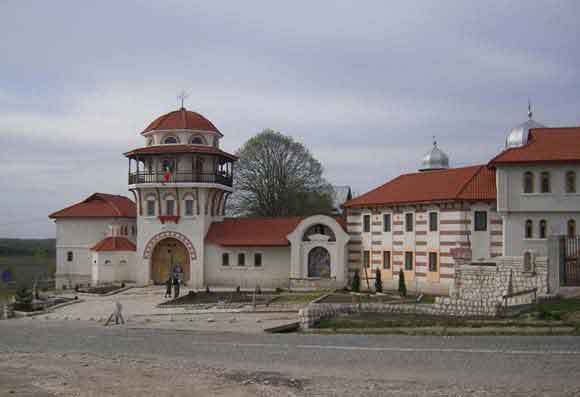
165,250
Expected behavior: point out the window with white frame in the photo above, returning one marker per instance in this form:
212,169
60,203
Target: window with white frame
528,262
545,182
528,182
241,259
225,259
529,229
480,221
570,182
366,259
386,223
69,256
170,140
433,261
387,260
169,206
408,260
366,223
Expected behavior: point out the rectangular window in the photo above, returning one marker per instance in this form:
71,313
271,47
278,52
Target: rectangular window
408,261
432,261
386,223
170,207
258,259
480,221
69,256
366,223
366,258
188,207
241,259
387,260
433,222
225,259
409,222
150,208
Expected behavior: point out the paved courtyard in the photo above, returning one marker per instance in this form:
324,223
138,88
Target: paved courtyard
140,311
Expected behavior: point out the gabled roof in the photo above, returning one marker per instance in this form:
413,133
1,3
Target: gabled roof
255,232
99,205
180,148
466,183
114,244
544,145
181,119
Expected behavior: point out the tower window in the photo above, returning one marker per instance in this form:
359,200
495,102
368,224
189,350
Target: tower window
197,140
150,207
169,207
189,207
170,140
545,182
528,182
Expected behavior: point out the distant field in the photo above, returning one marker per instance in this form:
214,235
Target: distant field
26,268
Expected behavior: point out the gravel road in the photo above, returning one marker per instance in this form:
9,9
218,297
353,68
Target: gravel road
66,358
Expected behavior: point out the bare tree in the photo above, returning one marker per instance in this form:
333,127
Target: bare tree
277,176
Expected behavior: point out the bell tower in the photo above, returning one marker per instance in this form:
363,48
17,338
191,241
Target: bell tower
180,180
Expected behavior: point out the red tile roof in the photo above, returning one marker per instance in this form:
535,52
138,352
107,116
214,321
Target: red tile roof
544,145
180,148
256,232
466,183
181,119
114,244
99,205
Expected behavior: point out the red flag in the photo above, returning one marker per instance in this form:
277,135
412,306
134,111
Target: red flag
167,175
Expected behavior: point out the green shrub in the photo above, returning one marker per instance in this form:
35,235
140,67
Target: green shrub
355,285
23,298
378,281
402,285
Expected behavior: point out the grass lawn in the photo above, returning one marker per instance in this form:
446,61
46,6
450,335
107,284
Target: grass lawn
563,309
297,298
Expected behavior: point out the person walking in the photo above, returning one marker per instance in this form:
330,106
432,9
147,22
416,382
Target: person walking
168,285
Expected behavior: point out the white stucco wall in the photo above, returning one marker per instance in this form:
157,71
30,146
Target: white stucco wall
78,235
556,207
274,272
111,266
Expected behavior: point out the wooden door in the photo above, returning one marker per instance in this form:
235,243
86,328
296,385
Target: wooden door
166,255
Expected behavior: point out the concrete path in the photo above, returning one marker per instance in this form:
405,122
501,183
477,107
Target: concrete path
140,311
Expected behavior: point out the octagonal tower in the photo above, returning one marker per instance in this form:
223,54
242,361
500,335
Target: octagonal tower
180,181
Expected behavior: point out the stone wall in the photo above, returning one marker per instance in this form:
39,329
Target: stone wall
311,315
488,284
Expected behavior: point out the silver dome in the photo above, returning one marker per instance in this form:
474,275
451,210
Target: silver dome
436,159
520,134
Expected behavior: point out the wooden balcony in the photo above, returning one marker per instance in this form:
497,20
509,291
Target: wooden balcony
136,178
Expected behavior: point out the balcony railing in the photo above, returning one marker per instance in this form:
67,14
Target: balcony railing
179,177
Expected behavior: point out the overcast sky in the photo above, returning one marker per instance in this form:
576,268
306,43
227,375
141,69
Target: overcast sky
363,84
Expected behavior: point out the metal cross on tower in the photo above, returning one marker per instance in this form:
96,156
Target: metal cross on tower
182,97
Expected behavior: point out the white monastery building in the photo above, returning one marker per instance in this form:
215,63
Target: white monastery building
425,223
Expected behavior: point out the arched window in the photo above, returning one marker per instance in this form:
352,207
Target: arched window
570,182
529,229
528,262
545,182
319,229
571,228
149,141
197,140
151,206
543,228
528,182
170,140
169,205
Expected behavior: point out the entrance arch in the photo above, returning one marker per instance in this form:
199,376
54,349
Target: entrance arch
166,255
319,263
